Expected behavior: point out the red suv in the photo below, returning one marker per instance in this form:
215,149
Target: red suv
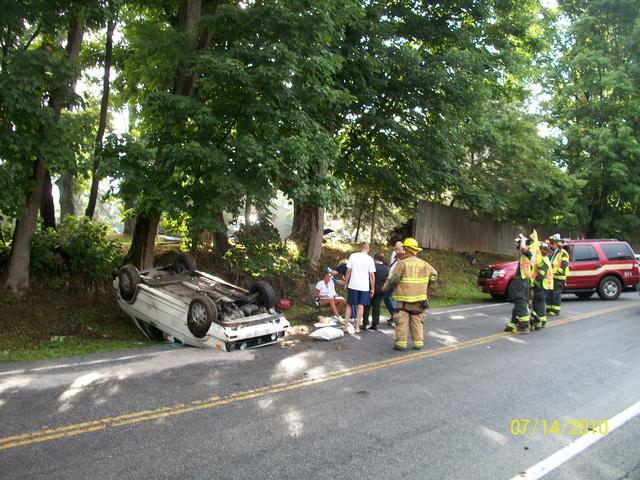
604,266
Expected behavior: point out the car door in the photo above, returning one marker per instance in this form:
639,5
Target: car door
584,264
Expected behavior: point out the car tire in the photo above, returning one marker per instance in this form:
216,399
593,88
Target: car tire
498,298
128,281
202,313
267,296
184,263
609,288
584,295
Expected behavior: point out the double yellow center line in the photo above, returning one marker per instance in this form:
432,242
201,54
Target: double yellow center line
213,402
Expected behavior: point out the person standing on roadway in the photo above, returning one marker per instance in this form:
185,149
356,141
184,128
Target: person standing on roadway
560,266
360,281
542,283
519,289
410,278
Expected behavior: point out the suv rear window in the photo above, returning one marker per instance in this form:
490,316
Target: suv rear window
617,251
584,253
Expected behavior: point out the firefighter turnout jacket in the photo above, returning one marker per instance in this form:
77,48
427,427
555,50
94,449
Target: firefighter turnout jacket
560,264
410,278
541,272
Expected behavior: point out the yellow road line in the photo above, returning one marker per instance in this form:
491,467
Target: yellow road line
212,402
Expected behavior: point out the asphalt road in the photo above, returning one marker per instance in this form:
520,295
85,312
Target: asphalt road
351,408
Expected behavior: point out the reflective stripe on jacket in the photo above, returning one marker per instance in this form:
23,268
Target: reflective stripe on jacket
560,264
412,277
524,264
542,264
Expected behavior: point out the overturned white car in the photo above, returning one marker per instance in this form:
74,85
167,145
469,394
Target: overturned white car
199,309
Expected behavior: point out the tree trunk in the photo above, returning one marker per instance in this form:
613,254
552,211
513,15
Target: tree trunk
65,186
247,211
299,226
47,206
102,125
316,229
16,278
220,236
129,224
17,275
309,226
195,241
360,213
374,209
188,17
141,252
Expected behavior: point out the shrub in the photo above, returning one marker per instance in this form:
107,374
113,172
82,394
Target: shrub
5,243
259,252
79,246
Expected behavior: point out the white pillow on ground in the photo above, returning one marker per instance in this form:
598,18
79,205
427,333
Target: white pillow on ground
327,333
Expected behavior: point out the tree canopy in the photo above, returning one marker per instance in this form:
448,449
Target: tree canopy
360,107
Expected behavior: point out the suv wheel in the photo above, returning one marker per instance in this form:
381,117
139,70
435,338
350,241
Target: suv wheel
609,288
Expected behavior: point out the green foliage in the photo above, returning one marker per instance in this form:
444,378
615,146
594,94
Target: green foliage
249,127
595,88
427,78
46,253
174,226
508,171
259,252
79,246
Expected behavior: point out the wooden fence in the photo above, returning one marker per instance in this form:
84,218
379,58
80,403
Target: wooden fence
440,227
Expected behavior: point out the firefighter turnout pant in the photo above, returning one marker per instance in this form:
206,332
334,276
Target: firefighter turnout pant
519,293
539,319
409,316
555,297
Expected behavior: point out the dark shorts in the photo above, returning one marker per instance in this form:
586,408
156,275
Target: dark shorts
356,297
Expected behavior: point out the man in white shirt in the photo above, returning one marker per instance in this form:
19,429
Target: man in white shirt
326,295
360,280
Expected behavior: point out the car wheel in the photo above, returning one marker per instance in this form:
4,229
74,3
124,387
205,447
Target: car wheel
128,280
584,295
498,298
184,263
609,288
267,297
202,313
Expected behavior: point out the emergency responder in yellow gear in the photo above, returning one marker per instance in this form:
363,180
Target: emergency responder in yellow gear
560,267
542,283
519,289
410,278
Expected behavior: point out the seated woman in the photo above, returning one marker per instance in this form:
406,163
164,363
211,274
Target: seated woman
326,296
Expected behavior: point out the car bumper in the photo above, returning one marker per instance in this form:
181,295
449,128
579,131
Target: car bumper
494,287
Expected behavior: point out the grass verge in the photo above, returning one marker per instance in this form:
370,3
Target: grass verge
55,322
58,317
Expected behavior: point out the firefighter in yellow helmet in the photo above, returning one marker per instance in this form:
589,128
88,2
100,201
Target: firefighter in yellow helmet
542,283
560,266
410,278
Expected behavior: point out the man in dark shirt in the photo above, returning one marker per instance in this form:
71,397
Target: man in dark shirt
382,272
